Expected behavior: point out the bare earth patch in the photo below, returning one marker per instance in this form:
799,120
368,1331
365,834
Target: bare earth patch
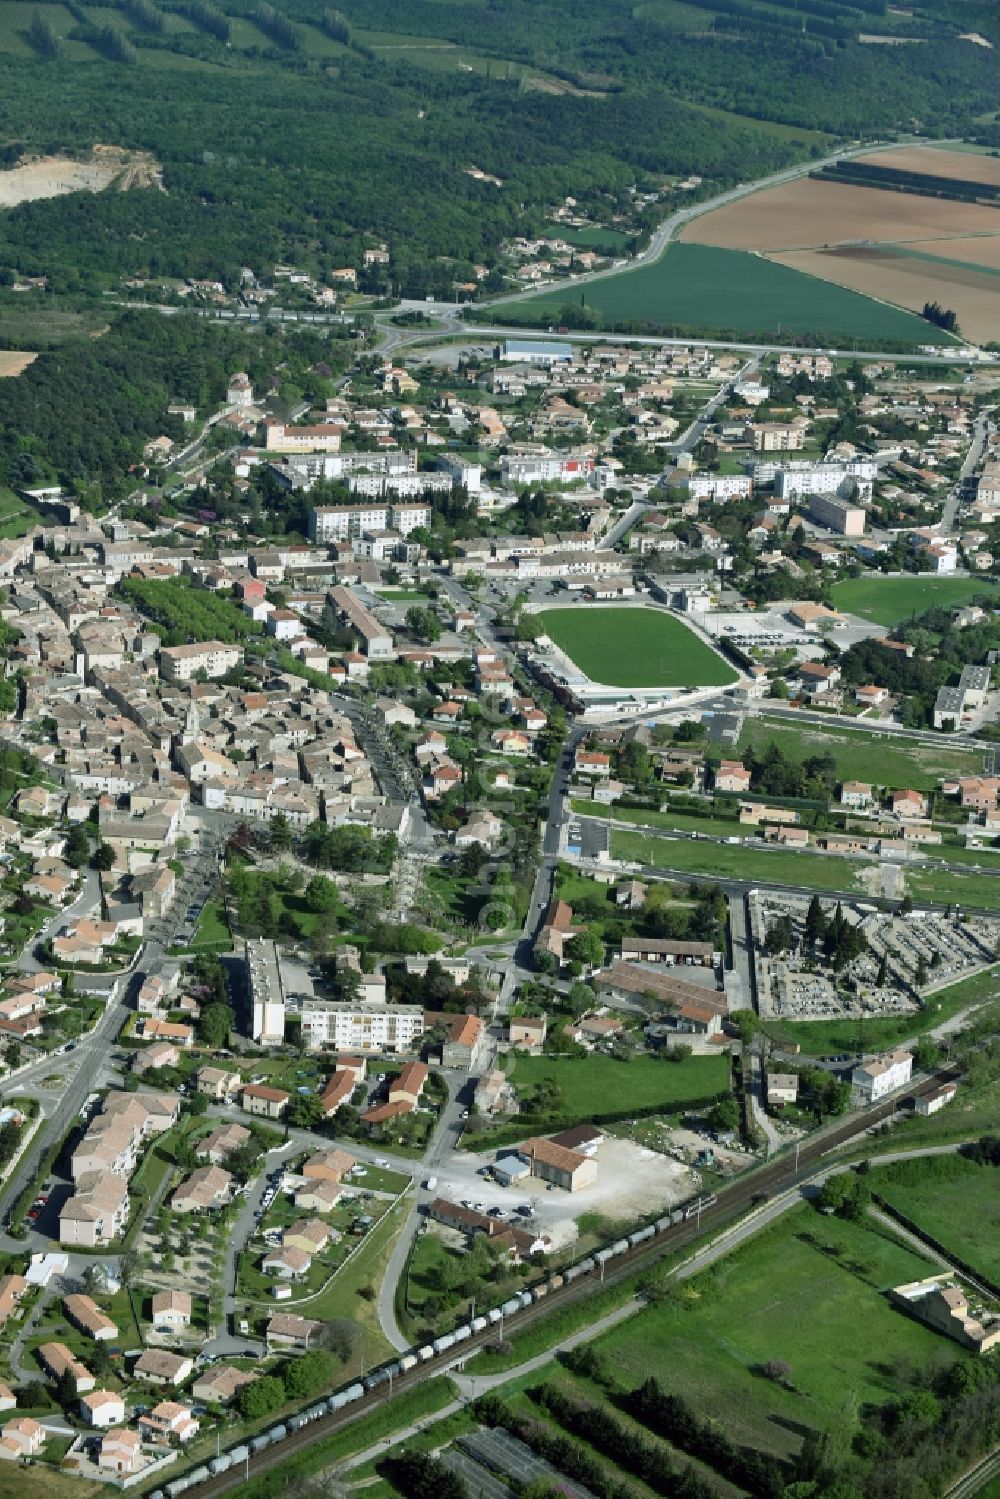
14,361
50,176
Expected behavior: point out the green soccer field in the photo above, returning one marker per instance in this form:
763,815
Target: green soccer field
635,648
694,287
889,601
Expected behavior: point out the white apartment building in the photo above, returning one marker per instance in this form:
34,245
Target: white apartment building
181,663
463,471
361,1027
344,522
267,997
540,468
879,1077
793,480
412,485
719,487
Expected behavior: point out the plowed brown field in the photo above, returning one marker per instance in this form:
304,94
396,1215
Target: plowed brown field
806,214
876,271
967,166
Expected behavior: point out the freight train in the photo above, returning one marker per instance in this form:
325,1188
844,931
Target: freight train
438,1348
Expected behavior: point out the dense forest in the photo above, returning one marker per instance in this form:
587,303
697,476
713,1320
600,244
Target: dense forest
82,413
280,153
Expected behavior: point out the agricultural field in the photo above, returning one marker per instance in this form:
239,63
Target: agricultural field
954,1200
884,760
797,1292
898,247
635,648
701,287
719,861
890,601
594,1084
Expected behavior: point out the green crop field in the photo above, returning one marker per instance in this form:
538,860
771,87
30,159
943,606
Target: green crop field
883,759
889,601
730,291
592,1085
635,648
799,1292
779,866
954,1200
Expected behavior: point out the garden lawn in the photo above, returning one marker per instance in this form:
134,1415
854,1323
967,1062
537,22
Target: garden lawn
695,287
635,648
883,759
719,861
954,1200
596,1084
809,1291
213,928
888,601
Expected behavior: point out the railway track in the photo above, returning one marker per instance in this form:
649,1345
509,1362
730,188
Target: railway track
977,1478
732,1202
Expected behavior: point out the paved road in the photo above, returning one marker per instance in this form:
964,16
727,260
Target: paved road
441,1144
973,458
86,903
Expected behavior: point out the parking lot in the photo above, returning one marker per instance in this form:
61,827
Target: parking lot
631,1181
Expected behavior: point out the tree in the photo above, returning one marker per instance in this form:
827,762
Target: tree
747,1024
815,922
305,1111
777,1370
12,1055
882,976
778,938
77,850
920,973
304,1376
214,1025
586,947
847,1194
129,1268
724,1115
104,858
261,1398
279,834
321,895
340,1336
